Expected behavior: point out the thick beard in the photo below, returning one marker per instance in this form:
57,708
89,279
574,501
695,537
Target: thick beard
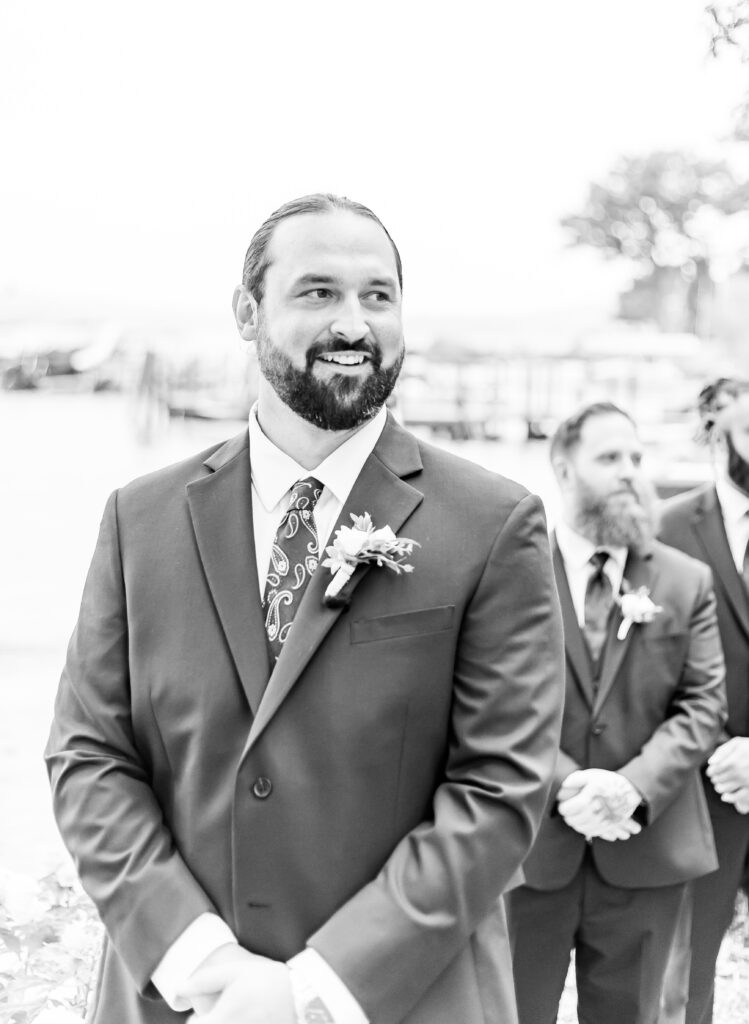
340,403
614,522
738,467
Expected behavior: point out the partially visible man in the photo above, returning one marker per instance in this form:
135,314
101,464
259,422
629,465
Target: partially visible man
711,523
290,804
627,824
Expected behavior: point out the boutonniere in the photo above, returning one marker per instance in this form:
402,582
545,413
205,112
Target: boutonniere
360,543
636,606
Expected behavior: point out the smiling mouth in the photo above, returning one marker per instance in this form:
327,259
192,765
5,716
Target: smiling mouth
344,358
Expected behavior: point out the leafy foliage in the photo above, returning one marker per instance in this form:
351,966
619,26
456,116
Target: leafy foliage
50,939
657,210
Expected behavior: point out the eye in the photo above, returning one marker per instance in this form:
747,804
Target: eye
318,293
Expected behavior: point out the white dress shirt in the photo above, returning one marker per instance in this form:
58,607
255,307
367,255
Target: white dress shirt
273,476
734,507
576,551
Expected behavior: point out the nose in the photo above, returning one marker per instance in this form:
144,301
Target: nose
349,322
627,468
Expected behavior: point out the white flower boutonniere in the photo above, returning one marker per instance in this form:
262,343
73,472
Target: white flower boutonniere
359,543
637,606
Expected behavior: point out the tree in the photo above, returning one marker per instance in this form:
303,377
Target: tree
666,213
729,23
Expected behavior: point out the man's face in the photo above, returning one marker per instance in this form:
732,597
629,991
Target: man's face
329,328
606,495
735,424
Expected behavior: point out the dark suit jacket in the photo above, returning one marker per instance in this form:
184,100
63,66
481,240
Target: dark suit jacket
693,523
408,740
659,707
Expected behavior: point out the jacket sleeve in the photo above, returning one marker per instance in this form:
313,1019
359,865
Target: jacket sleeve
106,810
391,940
697,713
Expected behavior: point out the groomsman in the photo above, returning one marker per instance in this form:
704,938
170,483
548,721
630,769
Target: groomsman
627,824
712,523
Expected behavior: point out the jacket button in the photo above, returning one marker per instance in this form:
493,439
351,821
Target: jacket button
262,787
598,729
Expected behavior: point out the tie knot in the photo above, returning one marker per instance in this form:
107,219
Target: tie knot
305,494
598,559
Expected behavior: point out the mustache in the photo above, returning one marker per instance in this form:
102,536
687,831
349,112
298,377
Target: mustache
320,348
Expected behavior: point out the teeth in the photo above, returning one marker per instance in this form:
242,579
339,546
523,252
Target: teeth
344,358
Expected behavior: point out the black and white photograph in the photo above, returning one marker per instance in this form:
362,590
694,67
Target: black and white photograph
374,604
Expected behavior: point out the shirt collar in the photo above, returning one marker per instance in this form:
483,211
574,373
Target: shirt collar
734,504
274,472
576,549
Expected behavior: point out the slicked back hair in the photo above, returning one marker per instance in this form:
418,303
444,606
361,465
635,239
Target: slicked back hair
567,435
256,261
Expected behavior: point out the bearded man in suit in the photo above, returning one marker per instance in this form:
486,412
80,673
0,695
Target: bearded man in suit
711,523
290,805
627,824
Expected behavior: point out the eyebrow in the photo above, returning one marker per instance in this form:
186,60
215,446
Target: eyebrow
314,279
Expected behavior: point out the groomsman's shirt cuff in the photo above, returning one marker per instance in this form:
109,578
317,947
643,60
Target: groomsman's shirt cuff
310,973
201,937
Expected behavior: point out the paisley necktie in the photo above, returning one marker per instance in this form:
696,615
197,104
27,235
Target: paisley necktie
293,559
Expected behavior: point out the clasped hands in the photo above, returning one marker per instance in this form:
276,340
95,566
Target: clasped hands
234,986
599,804
728,770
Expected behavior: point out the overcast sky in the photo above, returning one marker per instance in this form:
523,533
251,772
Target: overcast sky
144,142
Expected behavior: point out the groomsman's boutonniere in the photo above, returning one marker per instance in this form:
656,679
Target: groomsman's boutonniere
637,606
354,545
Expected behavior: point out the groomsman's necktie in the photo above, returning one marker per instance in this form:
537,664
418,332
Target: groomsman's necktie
293,559
599,600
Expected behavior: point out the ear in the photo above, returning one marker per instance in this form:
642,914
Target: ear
245,313
561,469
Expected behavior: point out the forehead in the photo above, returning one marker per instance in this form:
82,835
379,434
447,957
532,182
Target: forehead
608,432
737,413
332,243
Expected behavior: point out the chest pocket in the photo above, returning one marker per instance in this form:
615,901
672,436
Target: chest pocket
415,623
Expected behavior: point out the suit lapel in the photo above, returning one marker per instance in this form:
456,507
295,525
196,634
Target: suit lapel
574,642
638,572
389,500
221,510
711,534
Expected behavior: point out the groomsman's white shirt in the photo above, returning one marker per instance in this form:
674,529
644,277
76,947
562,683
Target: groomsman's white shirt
734,507
576,551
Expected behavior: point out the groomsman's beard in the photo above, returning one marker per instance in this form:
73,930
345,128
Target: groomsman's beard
622,520
340,403
738,467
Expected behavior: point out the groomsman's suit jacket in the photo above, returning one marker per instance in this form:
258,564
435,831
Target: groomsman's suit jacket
693,523
655,715
386,789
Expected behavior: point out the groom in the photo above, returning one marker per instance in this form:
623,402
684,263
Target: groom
288,808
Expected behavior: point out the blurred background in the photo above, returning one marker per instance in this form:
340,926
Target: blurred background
567,184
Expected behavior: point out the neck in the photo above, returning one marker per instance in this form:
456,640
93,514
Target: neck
296,437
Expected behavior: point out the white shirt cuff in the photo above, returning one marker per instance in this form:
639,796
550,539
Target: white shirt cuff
310,972
201,937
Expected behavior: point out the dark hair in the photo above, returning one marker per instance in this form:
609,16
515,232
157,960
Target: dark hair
708,403
256,261
567,434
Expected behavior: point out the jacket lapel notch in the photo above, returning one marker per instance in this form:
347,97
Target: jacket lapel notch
221,511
